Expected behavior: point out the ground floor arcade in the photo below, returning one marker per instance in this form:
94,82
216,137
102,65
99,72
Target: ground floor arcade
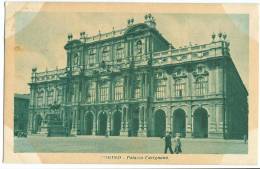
198,120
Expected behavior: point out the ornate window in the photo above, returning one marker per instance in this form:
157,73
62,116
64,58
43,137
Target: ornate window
105,54
200,70
50,96
91,93
40,95
179,88
160,85
119,90
92,56
201,86
59,90
119,52
104,92
138,88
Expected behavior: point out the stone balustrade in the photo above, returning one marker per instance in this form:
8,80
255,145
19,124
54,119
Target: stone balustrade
191,53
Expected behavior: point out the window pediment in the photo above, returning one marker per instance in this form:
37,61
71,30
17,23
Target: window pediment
179,73
200,70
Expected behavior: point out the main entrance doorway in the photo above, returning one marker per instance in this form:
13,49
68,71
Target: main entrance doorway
179,123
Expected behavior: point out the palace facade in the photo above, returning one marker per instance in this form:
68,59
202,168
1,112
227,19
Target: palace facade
133,82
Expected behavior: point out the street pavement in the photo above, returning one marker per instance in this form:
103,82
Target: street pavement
116,144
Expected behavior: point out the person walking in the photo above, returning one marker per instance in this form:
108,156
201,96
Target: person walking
177,148
168,143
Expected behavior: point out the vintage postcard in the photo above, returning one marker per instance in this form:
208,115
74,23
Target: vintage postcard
131,83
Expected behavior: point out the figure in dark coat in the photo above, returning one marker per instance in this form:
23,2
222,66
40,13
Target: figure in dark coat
168,143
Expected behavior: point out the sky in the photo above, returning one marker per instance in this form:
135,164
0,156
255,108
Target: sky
40,36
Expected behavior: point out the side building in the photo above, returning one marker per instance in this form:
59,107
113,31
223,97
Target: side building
133,82
21,109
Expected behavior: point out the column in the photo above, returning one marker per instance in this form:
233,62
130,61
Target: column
219,79
45,97
94,130
169,86
55,96
30,122
219,117
212,80
109,123
171,120
142,129
145,118
126,120
124,123
189,82
145,85
74,123
188,122
168,120
212,129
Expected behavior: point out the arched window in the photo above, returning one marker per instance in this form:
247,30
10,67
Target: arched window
91,93
179,88
119,90
160,85
201,86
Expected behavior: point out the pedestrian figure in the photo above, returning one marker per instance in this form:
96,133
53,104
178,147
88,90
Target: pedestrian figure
107,134
177,148
245,138
168,143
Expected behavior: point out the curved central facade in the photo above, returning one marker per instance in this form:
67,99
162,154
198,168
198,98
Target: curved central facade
133,82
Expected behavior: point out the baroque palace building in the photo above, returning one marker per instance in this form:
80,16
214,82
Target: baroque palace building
133,82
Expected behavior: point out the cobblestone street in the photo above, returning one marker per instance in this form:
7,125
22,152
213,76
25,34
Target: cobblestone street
97,144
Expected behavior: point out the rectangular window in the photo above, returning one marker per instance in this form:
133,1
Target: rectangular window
119,55
201,87
138,88
179,89
138,92
50,97
161,89
91,92
40,101
119,92
59,96
105,56
104,93
92,95
91,59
